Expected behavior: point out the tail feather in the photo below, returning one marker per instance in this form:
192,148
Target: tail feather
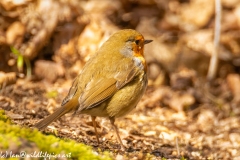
57,114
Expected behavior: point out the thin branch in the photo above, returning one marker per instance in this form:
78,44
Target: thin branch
177,146
214,59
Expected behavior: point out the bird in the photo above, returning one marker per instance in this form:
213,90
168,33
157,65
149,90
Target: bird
111,83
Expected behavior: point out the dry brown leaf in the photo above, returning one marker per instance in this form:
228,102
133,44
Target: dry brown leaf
11,4
7,79
15,33
48,10
194,16
156,97
178,101
14,116
183,79
94,35
202,41
48,70
233,81
6,103
237,13
163,54
230,3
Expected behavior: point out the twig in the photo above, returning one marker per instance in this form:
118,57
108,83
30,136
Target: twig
214,59
177,146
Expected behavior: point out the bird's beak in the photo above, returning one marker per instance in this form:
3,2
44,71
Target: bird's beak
147,41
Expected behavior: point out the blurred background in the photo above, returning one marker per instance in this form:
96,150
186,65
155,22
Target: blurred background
64,34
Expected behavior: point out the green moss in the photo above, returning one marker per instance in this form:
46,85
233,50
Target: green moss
31,140
51,94
6,140
182,158
4,117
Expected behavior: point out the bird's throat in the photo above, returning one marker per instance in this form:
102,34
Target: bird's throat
140,62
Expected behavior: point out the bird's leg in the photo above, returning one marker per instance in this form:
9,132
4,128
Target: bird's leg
95,128
112,120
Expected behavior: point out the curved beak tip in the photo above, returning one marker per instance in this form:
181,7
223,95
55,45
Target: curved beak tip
147,41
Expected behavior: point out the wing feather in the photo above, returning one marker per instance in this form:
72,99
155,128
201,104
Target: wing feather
72,91
99,91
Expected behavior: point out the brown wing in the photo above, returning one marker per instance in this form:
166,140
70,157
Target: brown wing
72,91
97,91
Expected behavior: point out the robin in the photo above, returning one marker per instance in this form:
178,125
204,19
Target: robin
111,83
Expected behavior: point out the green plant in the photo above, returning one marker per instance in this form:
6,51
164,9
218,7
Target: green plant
20,61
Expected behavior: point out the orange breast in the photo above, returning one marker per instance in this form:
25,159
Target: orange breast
139,58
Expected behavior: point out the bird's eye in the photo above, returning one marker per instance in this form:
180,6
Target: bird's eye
137,42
